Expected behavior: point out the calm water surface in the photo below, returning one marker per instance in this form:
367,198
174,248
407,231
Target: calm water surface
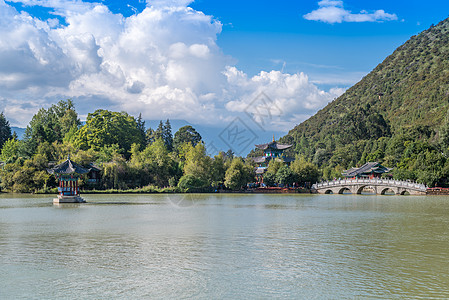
224,246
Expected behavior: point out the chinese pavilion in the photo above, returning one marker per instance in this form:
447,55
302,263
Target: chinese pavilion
369,170
272,150
68,174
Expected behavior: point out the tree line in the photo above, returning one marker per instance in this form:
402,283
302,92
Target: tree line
129,155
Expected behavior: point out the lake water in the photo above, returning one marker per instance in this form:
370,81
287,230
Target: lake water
224,247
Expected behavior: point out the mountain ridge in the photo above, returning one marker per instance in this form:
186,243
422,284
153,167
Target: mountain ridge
406,95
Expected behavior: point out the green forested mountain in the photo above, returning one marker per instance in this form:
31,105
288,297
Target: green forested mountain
396,115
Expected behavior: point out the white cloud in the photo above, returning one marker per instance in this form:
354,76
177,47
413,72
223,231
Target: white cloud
288,96
163,62
330,11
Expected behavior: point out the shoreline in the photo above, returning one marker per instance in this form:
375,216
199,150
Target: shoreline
270,190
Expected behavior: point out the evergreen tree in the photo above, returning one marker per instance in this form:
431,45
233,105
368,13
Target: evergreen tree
168,136
141,128
5,130
150,136
50,125
159,132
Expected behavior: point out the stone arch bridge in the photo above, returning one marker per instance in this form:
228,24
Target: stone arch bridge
380,186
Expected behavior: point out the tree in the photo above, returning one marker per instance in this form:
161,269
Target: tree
218,170
444,134
50,125
159,132
168,136
5,130
238,174
115,173
198,163
304,170
149,136
191,183
141,128
105,128
186,134
24,176
68,118
153,165
197,169
9,150
274,165
269,179
285,176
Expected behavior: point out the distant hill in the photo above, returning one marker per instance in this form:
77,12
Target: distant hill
20,131
396,115
408,91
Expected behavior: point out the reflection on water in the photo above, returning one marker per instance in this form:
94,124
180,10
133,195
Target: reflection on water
225,246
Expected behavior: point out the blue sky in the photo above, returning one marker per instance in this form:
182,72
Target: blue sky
266,34
206,62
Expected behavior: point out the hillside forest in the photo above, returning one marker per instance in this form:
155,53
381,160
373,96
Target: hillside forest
396,115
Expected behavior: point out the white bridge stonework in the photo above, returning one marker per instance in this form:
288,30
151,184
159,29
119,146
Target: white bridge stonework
380,186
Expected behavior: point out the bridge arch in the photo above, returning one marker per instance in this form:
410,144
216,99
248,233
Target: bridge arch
386,190
328,192
405,192
360,189
342,190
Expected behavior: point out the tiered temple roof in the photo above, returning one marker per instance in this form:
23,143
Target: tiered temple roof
274,145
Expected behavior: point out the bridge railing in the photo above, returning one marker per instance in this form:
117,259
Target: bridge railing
375,181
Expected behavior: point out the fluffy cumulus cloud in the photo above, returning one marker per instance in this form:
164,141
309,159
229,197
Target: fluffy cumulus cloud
162,62
332,11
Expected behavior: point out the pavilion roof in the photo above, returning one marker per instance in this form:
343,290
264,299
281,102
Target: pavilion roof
368,168
68,167
274,145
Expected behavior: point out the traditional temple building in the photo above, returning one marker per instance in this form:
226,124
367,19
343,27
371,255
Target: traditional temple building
68,174
369,170
94,175
272,150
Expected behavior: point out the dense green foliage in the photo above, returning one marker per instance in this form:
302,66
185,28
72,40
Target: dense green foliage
105,128
395,115
129,157
5,130
186,134
300,171
50,125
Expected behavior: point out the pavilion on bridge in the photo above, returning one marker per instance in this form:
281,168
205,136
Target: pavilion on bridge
68,174
369,170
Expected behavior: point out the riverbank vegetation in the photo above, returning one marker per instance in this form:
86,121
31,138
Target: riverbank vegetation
127,156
